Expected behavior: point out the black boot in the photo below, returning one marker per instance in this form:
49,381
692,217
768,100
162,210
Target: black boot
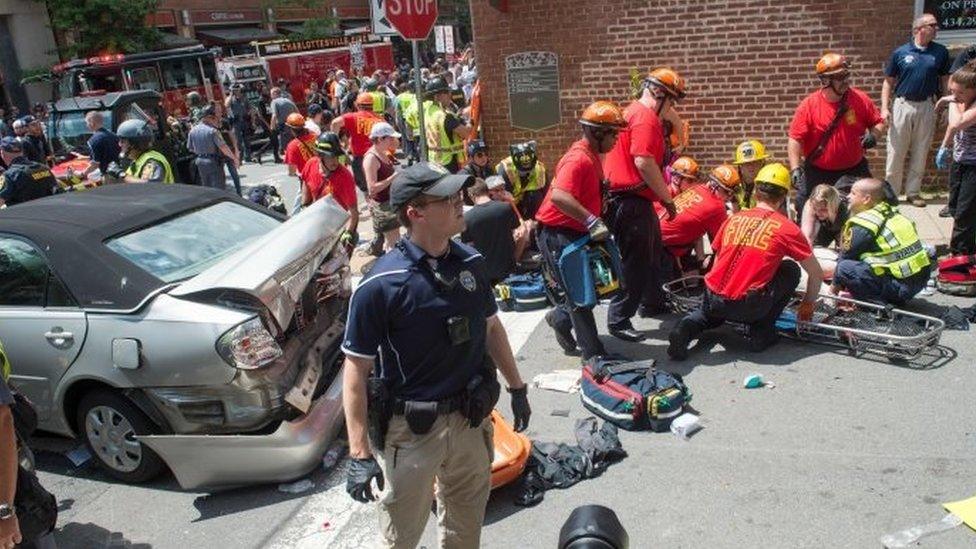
679,339
564,335
626,332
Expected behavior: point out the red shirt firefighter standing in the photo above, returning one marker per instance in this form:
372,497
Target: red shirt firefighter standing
634,169
570,210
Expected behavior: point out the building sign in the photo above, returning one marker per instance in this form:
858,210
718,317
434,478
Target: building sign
297,46
533,89
201,17
953,15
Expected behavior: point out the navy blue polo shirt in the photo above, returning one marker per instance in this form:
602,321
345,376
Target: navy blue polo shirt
104,147
916,71
399,315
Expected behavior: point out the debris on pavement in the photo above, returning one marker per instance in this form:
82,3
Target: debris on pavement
685,425
753,381
79,456
563,381
298,487
955,318
908,537
560,413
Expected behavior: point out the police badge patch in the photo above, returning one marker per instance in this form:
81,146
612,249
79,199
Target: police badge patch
468,281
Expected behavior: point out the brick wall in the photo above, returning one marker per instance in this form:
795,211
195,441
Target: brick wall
747,62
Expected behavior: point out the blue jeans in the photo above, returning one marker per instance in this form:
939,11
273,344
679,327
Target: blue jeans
857,278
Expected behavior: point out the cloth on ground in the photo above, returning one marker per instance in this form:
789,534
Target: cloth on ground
957,319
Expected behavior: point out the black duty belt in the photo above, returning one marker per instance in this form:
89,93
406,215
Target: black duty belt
628,190
444,407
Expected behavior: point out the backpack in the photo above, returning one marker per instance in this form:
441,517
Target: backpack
633,395
523,292
957,275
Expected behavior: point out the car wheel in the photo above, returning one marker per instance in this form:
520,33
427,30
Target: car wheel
109,423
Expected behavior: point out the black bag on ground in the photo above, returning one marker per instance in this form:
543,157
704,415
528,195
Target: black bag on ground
37,509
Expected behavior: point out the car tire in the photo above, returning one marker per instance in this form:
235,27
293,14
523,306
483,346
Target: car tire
108,422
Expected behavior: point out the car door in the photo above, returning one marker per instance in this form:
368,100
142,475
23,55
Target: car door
41,326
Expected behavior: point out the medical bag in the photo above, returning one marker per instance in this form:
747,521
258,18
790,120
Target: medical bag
590,270
957,275
633,395
522,292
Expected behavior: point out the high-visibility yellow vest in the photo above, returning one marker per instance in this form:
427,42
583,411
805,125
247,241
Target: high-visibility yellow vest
441,147
407,102
535,181
136,167
901,253
379,102
5,369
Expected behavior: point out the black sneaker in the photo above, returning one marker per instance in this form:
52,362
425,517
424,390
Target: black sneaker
946,212
564,338
678,341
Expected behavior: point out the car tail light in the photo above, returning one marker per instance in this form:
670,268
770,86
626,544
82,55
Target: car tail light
248,345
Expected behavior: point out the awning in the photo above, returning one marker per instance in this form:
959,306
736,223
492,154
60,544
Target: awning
170,40
292,28
225,36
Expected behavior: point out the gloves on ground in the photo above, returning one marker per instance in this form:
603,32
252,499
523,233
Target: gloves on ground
360,477
597,229
869,141
942,158
520,407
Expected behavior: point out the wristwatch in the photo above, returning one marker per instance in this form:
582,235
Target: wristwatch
6,511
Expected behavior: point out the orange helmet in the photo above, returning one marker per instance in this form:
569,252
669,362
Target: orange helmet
295,120
832,63
726,177
685,166
365,99
668,80
603,114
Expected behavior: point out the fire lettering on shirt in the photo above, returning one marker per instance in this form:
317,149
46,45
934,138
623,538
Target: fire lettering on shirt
750,231
364,125
686,200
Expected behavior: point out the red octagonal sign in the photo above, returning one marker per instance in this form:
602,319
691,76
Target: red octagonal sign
413,19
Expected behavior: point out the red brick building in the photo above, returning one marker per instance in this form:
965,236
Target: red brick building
747,62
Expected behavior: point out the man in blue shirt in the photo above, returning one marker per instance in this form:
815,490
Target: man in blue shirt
422,342
103,145
916,72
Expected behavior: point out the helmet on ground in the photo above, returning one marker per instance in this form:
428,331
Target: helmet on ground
524,155
295,121
137,132
364,99
667,80
726,177
328,143
774,174
435,86
685,166
750,151
832,63
603,114
476,146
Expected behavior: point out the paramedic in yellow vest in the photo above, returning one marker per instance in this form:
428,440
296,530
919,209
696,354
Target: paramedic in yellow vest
882,258
445,131
525,177
147,165
408,121
750,157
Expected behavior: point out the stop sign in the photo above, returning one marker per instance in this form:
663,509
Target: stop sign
413,19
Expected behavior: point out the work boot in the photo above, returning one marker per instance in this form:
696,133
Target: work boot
946,211
679,339
626,332
564,335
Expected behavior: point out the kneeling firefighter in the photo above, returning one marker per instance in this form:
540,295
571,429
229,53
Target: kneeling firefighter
427,309
145,164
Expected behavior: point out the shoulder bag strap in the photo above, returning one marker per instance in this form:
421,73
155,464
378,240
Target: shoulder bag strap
822,144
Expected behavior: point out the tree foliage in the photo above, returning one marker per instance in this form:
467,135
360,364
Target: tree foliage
323,26
94,27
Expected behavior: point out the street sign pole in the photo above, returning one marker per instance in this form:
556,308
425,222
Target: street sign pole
419,87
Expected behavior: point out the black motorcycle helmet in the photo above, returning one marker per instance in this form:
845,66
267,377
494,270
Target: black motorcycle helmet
436,86
524,156
328,144
476,146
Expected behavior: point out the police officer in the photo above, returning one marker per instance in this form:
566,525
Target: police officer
882,258
205,141
750,157
31,152
24,179
750,282
445,132
525,177
479,164
145,164
427,311
570,210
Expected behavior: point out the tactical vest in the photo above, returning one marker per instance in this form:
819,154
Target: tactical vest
535,180
901,253
441,147
136,167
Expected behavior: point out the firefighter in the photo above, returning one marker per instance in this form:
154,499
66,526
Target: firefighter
444,130
525,177
684,173
750,157
751,282
883,259
634,168
146,165
357,125
570,210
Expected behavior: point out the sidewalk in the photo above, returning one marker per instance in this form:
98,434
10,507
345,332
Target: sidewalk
932,229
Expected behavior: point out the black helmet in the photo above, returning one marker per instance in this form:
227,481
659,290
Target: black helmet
328,144
524,155
370,84
136,132
435,86
476,146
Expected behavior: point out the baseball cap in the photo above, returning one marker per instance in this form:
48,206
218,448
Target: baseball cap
494,182
11,145
382,129
427,179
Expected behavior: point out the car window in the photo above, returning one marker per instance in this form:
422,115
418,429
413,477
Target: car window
182,247
26,279
144,78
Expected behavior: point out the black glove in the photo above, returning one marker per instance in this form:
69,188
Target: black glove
361,474
869,141
796,177
520,407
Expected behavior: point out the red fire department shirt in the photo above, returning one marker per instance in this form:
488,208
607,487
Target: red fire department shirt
843,149
357,125
749,249
643,136
578,173
299,151
340,184
700,212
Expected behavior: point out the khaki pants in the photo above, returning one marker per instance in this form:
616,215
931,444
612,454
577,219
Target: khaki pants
910,134
455,457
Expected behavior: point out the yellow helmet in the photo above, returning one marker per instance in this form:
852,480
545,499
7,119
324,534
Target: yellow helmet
749,151
775,174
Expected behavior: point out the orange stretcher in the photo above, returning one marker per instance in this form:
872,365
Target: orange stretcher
511,452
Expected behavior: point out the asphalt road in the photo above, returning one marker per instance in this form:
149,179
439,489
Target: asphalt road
840,452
